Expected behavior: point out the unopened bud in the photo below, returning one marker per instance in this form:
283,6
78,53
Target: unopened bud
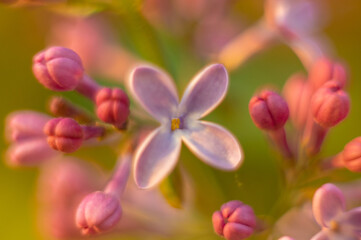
112,106
268,110
64,134
97,213
326,70
351,155
60,107
330,104
30,153
23,125
297,93
58,68
235,221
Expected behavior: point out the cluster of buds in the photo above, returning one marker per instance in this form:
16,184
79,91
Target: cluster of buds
35,135
37,138
235,221
314,104
61,69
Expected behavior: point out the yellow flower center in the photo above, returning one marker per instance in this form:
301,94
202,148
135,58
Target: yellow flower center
334,226
175,123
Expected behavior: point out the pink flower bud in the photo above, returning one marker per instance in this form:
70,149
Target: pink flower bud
330,104
60,107
268,110
235,221
30,153
325,70
351,155
98,212
58,68
24,125
112,106
64,134
297,93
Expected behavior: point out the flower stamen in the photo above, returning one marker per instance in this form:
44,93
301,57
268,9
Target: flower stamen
175,124
334,226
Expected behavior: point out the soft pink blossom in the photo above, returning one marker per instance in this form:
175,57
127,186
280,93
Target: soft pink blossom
329,211
157,155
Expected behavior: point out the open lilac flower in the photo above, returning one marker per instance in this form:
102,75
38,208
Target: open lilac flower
329,211
157,155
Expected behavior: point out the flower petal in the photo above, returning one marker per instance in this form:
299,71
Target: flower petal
353,219
328,202
322,235
155,91
214,145
205,91
156,157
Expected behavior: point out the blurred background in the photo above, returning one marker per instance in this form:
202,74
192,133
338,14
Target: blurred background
181,45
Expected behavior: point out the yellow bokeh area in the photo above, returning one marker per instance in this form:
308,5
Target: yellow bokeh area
25,30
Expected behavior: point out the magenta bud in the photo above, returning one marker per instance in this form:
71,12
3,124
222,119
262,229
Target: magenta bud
351,155
112,106
235,221
268,110
98,213
64,134
330,104
325,70
58,68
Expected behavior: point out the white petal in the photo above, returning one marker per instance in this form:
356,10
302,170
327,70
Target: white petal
321,236
205,91
328,202
155,91
156,157
214,145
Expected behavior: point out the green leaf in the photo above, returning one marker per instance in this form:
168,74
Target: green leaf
172,189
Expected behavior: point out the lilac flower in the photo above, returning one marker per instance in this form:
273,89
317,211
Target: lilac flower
329,211
157,155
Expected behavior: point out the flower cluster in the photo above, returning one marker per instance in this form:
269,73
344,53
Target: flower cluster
142,118
38,137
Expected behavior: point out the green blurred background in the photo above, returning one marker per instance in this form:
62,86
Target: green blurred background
24,32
